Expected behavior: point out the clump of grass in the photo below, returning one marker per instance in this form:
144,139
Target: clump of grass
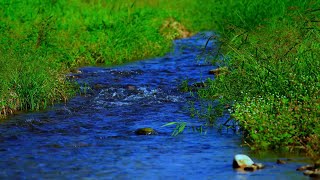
30,81
274,81
43,39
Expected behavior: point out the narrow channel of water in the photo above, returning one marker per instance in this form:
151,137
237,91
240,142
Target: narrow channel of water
92,136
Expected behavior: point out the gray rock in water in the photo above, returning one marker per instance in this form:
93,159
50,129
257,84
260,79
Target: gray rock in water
242,161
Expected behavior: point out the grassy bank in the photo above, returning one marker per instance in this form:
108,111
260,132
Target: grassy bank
272,52
42,40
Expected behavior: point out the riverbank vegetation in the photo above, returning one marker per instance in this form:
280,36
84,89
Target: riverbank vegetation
271,51
43,40
272,86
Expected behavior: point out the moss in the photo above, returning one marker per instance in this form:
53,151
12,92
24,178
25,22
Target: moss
145,131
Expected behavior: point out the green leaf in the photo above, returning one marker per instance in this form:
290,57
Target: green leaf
169,124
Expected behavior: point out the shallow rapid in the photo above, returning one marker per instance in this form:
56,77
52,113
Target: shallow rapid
92,136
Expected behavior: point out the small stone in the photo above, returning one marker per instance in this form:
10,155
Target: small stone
259,165
76,71
242,161
251,168
315,174
145,131
306,167
219,71
279,161
308,172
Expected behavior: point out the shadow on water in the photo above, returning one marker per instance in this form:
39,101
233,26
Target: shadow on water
92,136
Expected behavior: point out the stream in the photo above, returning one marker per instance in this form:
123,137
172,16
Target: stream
92,136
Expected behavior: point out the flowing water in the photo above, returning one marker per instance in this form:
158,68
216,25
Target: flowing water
92,136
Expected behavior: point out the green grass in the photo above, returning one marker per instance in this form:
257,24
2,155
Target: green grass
272,51
31,84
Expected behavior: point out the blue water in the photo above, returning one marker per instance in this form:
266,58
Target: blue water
92,136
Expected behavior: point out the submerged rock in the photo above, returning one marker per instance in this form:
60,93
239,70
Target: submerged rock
279,161
145,131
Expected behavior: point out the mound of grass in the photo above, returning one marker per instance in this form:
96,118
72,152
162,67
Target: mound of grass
272,50
41,40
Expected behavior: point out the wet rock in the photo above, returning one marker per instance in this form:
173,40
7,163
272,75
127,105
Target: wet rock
311,170
315,174
76,71
242,161
250,168
306,167
279,161
259,165
308,172
145,131
219,71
